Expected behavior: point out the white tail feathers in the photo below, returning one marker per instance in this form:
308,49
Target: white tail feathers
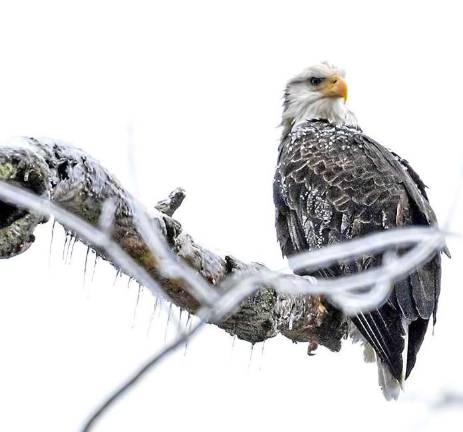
389,385
369,355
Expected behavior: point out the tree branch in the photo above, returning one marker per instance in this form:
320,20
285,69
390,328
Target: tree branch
77,183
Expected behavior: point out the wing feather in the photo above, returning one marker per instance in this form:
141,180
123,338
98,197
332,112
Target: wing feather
333,184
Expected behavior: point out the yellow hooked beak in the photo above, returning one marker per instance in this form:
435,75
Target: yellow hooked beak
335,87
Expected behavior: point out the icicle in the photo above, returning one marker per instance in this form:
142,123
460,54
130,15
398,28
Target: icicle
94,266
232,345
180,316
140,288
188,328
115,277
51,242
250,355
66,257
72,248
85,264
168,322
64,247
262,355
156,303
69,251
152,317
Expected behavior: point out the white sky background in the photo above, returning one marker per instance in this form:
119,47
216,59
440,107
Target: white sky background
200,85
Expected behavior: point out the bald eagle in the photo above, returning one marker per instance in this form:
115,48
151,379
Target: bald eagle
334,183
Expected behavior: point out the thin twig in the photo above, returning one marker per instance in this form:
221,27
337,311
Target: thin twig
129,384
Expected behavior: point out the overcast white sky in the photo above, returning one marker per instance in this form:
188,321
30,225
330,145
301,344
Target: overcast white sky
199,83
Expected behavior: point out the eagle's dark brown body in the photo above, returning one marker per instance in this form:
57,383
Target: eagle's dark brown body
333,184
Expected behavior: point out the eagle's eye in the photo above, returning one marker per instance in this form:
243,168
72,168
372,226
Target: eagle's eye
315,81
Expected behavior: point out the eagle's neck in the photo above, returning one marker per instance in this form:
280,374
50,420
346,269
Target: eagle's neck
298,110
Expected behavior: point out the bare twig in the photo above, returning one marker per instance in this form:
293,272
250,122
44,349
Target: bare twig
139,374
169,205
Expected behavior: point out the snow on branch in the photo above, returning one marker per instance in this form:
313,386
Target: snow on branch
42,178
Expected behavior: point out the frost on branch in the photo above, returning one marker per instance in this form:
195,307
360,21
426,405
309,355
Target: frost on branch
24,169
75,182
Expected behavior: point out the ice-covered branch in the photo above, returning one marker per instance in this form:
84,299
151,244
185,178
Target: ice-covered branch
74,182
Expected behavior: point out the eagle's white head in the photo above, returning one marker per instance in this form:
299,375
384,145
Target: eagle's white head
318,92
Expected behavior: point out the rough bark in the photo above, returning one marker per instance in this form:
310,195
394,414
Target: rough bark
72,179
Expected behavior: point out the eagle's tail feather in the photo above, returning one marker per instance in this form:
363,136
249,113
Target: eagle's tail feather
382,329
390,386
369,354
